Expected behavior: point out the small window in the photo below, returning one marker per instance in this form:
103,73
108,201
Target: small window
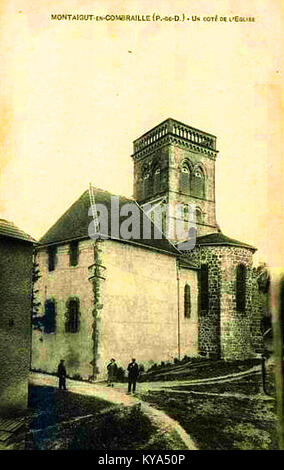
204,287
241,287
187,301
72,316
51,257
49,319
74,253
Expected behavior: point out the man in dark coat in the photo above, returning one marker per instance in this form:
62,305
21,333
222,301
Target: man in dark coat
61,373
133,372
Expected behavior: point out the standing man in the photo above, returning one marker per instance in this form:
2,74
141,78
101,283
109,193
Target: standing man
61,373
133,372
111,372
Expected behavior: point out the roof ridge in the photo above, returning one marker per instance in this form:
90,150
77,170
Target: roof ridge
221,238
76,220
11,230
111,193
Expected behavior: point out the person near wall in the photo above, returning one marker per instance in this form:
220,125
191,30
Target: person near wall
61,373
111,372
133,372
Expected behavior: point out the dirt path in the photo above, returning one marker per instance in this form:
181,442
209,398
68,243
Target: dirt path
117,396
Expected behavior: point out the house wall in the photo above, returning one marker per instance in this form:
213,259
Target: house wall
64,282
15,336
140,306
136,308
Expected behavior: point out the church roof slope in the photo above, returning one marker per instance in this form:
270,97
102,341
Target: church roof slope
10,230
219,238
74,223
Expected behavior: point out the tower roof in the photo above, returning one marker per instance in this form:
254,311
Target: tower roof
219,238
190,137
74,223
10,230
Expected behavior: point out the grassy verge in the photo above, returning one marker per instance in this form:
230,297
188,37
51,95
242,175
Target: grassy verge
201,369
67,421
221,422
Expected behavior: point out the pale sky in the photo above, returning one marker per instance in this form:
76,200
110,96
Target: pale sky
73,99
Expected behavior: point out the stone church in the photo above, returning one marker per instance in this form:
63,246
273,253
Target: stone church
144,297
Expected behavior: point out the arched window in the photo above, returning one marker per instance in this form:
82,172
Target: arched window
156,178
187,301
49,319
241,287
147,184
185,179
204,287
72,316
197,183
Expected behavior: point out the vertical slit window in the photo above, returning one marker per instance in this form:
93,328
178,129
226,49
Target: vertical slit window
241,287
204,287
187,301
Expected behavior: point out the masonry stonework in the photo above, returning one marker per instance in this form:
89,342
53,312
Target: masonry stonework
15,333
223,330
161,154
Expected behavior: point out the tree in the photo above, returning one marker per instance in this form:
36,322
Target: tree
36,319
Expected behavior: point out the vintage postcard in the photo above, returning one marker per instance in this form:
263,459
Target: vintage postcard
141,228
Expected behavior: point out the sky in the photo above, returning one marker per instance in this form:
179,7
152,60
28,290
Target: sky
75,94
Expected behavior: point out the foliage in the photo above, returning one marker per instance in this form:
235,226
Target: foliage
77,377
36,319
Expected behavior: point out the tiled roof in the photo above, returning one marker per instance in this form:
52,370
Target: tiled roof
75,222
8,229
219,238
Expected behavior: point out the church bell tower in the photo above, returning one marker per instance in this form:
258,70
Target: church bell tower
175,164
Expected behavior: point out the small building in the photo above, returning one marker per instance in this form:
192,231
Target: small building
16,260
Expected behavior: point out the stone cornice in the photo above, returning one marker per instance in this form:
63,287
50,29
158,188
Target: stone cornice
171,139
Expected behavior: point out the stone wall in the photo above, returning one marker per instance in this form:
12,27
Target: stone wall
15,336
224,331
169,157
